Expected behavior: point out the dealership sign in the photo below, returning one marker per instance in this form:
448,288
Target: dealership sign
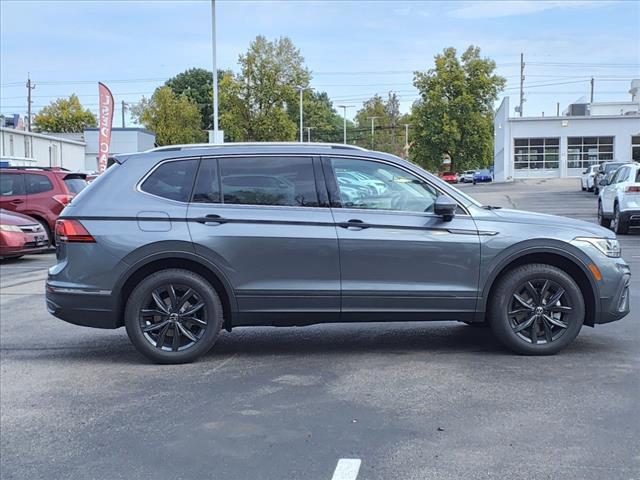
105,121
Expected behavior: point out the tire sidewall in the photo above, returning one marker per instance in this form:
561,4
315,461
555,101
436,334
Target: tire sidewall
499,306
141,294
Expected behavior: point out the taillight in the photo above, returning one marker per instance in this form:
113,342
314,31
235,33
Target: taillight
632,189
63,200
72,231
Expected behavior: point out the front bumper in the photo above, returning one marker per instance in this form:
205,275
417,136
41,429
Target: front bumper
88,308
617,305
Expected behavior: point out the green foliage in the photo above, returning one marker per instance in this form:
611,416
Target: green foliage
319,114
175,119
197,84
64,116
389,130
455,111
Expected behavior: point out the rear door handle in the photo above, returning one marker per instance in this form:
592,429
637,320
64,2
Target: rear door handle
17,201
354,224
211,220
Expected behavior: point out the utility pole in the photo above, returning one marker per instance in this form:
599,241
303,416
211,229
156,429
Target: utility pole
124,107
215,70
406,140
301,113
557,109
592,89
373,122
309,134
344,117
521,83
30,86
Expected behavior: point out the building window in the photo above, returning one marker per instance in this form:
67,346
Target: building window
27,147
635,148
536,153
582,152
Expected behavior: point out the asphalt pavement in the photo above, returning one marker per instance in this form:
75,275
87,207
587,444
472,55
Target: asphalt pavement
408,400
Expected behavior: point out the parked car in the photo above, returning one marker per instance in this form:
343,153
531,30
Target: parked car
467,176
40,193
174,262
604,169
20,235
619,199
482,176
587,178
449,177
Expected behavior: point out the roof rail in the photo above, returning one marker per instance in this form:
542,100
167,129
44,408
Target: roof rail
190,146
27,167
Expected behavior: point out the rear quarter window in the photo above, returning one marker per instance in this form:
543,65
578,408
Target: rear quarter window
172,180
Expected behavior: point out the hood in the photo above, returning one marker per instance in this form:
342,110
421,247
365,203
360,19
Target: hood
13,218
581,227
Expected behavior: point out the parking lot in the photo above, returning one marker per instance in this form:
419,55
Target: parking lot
410,400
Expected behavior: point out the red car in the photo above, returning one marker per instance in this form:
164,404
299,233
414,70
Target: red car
39,192
20,235
449,177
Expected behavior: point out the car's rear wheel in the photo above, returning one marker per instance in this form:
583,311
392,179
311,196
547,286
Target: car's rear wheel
618,224
173,316
536,309
605,222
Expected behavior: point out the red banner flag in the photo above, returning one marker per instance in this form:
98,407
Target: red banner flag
106,120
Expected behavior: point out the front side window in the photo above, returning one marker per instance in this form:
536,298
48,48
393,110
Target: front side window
207,189
11,184
377,186
172,180
284,181
37,183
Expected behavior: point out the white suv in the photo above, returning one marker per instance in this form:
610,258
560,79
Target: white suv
619,200
587,178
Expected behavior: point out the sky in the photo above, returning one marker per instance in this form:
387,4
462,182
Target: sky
354,49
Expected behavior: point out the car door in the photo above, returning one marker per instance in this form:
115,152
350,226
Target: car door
398,259
609,191
13,195
265,221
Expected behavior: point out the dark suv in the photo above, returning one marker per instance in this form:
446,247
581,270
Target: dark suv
39,192
179,242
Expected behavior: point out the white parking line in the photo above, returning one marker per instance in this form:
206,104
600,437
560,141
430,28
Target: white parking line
347,469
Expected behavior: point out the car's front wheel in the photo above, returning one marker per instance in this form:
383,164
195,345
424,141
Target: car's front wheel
173,316
536,309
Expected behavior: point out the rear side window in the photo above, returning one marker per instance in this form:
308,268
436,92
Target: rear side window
75,184
37,183
286,181
11,184
172,180
207,189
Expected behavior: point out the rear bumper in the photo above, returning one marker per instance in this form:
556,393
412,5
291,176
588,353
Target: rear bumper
82,307
632,217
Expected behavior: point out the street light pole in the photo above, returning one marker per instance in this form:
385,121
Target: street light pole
301,113
344,124
215,70
373,121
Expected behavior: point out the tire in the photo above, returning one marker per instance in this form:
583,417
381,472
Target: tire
549,338
604,222
47,231
584,189
619,226
203,324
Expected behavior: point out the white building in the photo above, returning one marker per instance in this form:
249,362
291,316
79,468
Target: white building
565,146
22,148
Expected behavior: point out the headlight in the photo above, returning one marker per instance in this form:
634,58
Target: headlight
608,246
9,228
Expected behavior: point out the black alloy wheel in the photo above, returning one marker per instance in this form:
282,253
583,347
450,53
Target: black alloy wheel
174,317
538,311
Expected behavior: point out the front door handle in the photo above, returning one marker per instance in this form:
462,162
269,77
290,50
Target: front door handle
354,224
211,220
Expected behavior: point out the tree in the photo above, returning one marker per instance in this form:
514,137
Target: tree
271,72
175,119
319,115
388,124
64,116
454,113
197,84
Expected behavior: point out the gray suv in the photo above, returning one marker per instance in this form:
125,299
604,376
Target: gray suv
179,242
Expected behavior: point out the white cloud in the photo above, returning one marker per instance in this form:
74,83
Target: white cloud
507,8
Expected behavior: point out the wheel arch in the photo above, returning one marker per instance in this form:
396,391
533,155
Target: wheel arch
176,259
557,258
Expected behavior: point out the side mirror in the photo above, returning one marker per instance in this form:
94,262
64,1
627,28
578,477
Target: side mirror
446,207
